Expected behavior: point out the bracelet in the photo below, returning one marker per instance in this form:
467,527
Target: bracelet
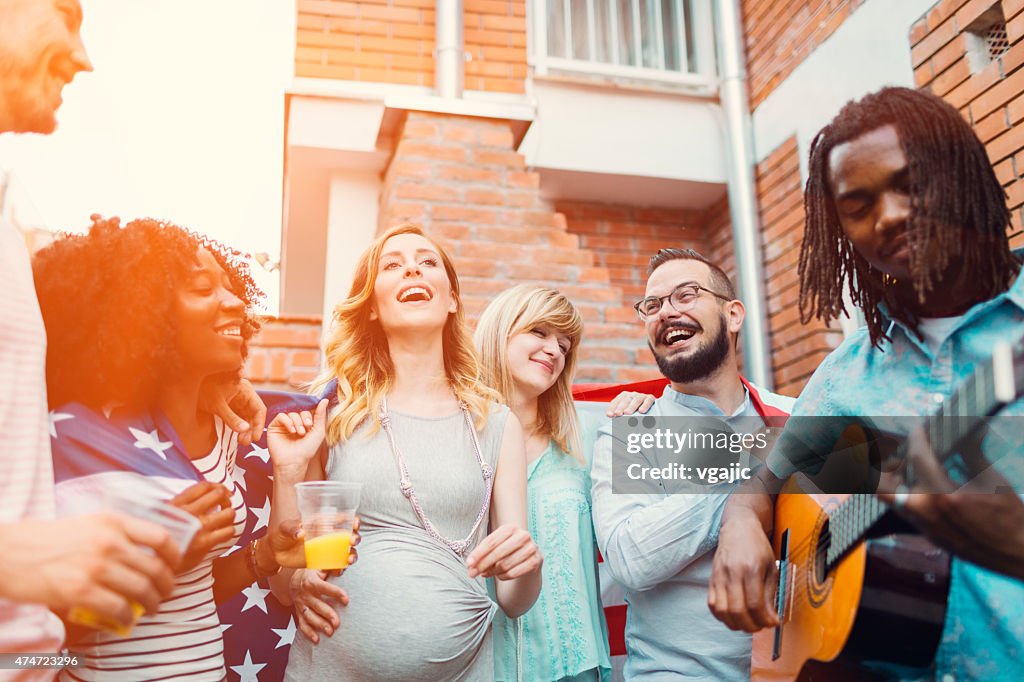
253,563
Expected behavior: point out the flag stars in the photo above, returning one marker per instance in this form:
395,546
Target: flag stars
287,635
262,515
249,671
255,596
57,417
261,453
150,441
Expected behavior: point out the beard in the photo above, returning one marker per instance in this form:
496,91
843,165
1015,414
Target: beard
24,111
702,363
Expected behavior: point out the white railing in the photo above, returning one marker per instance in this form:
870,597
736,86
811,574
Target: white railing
663,40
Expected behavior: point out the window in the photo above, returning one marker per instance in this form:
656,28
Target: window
666,40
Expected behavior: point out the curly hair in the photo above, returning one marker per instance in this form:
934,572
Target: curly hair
958,211
107,298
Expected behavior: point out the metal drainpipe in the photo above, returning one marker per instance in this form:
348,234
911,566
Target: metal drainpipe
742,195
448,51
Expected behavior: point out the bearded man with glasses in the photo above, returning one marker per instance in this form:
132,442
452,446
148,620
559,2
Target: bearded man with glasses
658,542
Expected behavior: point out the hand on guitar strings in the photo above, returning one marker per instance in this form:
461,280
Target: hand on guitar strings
981,521
744,577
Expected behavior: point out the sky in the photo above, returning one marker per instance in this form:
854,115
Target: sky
182,120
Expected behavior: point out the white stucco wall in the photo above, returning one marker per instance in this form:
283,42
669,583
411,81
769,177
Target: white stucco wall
351,226
870,50
604,130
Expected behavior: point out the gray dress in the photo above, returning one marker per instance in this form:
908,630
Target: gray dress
413,613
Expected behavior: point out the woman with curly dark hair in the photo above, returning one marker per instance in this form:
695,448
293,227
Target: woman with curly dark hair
139,318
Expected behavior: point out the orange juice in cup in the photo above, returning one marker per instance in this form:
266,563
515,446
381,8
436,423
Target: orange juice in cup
179,524
328,509
329,552
91,619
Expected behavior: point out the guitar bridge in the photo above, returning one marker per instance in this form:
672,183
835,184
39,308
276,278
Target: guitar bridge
783,595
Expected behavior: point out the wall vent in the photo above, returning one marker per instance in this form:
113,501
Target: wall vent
986,38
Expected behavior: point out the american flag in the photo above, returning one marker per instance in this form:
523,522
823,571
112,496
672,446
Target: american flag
258,630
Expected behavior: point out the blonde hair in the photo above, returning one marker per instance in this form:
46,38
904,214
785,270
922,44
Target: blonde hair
512,312
356,349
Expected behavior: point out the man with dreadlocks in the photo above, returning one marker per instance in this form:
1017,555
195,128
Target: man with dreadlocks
904,211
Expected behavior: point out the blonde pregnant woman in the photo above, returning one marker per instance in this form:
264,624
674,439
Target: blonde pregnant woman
443,477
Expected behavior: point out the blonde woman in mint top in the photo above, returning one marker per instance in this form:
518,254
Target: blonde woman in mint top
529,339
441,463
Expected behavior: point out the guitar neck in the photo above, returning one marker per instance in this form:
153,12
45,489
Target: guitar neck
849,523
992,386
996,383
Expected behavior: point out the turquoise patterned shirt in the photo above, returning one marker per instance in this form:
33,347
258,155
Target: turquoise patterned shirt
983,637
564,633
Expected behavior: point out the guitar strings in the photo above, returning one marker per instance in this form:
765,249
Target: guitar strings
799,551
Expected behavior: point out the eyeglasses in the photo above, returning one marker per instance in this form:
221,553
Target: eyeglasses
682,298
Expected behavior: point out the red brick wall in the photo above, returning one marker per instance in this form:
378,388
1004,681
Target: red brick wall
387,41
285,354
495,40
392,41
623,238
795,349
461,179
721,246
991,99
780,34
720,243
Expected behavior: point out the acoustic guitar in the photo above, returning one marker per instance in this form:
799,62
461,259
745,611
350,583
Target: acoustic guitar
855,582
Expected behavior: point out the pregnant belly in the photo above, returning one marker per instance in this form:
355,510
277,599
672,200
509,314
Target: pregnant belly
413,612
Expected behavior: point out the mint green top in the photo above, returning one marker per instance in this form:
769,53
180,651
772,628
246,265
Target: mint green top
564,634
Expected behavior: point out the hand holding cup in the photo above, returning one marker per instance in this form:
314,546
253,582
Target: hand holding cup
328,510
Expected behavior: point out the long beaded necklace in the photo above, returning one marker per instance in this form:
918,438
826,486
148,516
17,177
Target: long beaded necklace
405,484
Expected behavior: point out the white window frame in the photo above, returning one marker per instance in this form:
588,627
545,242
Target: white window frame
702,31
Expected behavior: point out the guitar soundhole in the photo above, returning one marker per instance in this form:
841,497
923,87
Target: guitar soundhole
821,554
817,583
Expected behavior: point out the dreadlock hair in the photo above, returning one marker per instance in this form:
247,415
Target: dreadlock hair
107,299
719,279
957,210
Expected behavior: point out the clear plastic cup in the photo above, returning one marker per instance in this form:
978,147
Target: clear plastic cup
328,510
179,524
